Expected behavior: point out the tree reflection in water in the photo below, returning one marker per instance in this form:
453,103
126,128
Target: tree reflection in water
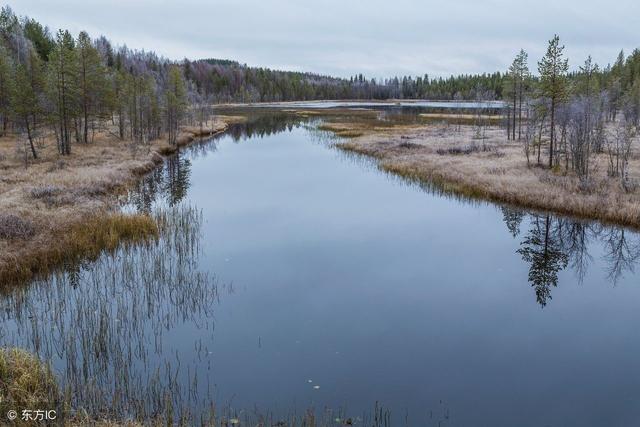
542,249
622,252
553,243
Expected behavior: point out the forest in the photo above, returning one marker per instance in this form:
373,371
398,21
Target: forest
574,115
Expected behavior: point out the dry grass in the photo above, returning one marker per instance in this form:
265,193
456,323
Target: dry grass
495,169
58,207
84,239
24,380
341,131
444,116
25,383
461,118
28,383
88,422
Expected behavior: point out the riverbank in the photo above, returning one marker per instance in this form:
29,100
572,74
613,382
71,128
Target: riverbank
459,161
60,209
25,381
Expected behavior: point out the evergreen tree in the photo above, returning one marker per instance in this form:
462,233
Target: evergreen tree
587,79
6,84
176,102
119,99
25,103
62,77
40,37
92,82
523,83
553,69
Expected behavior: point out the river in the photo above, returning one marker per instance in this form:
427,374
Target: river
293,275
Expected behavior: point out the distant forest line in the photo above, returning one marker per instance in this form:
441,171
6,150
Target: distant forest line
72,85
229,81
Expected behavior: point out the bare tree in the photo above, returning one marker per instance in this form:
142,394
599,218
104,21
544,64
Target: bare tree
619,151
483,98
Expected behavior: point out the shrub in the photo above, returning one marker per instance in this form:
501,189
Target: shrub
45,192
14,227
456,151
409,145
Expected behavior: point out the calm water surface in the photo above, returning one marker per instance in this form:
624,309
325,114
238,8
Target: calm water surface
383,104
309,278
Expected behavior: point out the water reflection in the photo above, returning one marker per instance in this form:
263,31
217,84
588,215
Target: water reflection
543,250
168,184
108,325
622,252
552,243
263,125
178,171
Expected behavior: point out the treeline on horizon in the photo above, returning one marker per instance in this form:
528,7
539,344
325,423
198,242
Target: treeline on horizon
230,81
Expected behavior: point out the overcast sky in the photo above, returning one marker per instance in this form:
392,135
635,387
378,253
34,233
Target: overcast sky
344,37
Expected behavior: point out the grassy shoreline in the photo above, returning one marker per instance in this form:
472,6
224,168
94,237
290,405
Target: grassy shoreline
64,209
491,169
28,382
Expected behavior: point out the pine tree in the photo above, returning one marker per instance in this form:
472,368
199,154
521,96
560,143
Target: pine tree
6,84
40,37
119,96
587,81
62,89
176,98
523,81
25,102
514,90
92,81
510,92
553,69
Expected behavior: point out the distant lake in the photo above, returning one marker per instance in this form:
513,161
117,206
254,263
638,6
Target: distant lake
293,275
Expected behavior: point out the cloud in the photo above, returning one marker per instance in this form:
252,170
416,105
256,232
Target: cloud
339,37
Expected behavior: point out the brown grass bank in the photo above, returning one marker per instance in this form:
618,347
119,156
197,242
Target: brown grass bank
61,209
26,382
457,160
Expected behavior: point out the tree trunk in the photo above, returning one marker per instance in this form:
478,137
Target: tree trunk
86,125
33,148
553,125
520,114
515,97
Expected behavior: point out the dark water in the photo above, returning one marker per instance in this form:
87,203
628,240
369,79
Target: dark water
289,265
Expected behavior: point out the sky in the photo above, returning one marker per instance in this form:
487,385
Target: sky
345,37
